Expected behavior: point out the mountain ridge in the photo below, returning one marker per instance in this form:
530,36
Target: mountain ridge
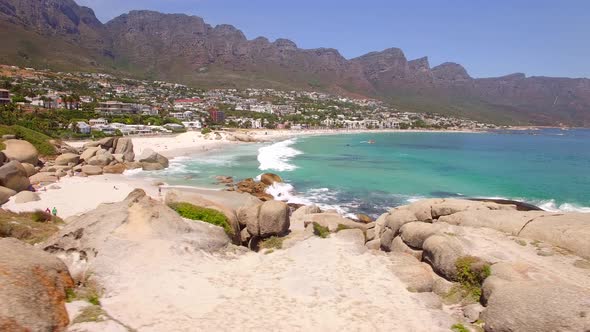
186,49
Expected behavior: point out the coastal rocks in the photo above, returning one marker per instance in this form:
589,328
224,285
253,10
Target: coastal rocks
33,288
415,233
355,236
14,176
101,158
43,178
442,252
152,161
21,150
114,235
364,218
416,275
124,147
298,216
89,153
67,159
114,169
26,196
268,219
256,189
5,194
269,179
537,307
91,170
333,220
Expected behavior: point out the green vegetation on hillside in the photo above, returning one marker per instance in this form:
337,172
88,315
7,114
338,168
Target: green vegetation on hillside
39,140
29,227
193,212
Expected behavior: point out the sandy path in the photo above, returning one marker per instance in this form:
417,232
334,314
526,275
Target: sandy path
319,284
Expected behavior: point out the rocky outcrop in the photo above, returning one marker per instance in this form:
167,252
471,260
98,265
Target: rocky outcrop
14,176
269,179
21,151
124,147
67,159
33,288
26,196
105,236
267,219
152,161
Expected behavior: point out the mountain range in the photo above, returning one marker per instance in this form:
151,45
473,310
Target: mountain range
60,35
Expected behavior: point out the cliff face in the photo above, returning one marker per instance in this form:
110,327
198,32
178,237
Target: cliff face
187,49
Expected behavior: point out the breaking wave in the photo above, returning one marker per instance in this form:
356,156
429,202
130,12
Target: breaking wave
276,157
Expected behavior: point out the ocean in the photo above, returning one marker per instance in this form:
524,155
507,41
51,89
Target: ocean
549,168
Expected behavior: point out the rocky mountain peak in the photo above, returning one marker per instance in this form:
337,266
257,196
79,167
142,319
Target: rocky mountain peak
450,71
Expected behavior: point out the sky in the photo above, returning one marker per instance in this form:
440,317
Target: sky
488,37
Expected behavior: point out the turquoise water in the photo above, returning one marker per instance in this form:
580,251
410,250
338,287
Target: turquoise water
550,168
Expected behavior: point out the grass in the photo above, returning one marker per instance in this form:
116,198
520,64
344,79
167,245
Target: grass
459,328
28,227
39,140
341,227
93,313
205,131
193,212
471,273
320,230
71,295
273,242
520,242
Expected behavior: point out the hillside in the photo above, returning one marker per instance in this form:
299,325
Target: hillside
61,35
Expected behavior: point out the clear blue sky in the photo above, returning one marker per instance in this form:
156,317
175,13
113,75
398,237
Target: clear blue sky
488,37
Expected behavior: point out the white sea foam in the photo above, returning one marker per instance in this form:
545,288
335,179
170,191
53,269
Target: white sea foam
276,157
551,206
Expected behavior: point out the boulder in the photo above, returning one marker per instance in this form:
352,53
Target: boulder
3,158
33,288
89,153
416,275
364,218
269,179
21,151
125,148
43,178
273,219
442,252
299,216
415,233
113,235
386,239
380,224
537,307
152,161
107,142
510,222
373,244
370,234
355,236
5,194
332,220
67,159
245,236
397,218
92,144
422,210
570,231
399,246
30,169
102,158
26,197
91,170
472,312
14,176
114,169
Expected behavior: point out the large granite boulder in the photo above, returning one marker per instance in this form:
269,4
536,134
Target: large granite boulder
415,233
43,178
152,161
101,158
125,148
273,219
5,194
114,169
526,306
355,236
333,220
269,179
91,170
570,231
89,153
107,142
21,151
26,197
114,234
33,288
66,159
299,216
14,176
442,252
416,275
399,246
510,222
30,169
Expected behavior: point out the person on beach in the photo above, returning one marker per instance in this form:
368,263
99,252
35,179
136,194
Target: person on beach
47,211
54,212
160,191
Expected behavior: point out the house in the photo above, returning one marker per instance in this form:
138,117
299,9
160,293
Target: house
192,124
83,127
116,108
98,122
217,116
4,97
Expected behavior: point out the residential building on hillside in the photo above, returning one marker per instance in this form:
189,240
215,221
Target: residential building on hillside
116,107
4,97
217,116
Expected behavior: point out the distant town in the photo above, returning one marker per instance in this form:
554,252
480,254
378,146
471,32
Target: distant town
95,104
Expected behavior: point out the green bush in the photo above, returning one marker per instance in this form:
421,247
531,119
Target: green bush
459,328
471,273
41,216
39,140
320,230
273,242
341,227
206,131
193,212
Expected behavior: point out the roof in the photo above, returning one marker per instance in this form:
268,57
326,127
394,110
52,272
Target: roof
188,100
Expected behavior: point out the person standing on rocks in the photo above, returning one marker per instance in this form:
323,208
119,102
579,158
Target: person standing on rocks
54,212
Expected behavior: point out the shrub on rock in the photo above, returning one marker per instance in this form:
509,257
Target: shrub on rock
193,212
